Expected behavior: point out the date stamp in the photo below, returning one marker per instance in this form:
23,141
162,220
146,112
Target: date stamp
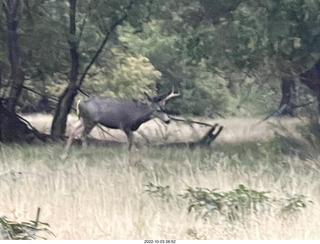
159,241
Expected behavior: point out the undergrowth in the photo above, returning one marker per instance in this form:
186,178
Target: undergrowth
235,204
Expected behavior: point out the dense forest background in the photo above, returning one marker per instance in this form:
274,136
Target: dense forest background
227,58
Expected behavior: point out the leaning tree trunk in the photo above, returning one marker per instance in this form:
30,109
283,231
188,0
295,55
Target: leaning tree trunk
10,8
66,99
58,127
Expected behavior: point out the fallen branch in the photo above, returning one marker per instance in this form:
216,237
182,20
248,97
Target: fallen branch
205,141
282,108
188,121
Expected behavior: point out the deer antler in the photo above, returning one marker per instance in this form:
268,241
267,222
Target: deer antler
171,95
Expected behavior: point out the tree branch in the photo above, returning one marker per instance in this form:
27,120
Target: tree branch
40,94
188,121
103,43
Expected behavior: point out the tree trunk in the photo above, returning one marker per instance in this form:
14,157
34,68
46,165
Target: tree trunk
11,128
287,88
14,129
10,8
311,79
66,99
58,127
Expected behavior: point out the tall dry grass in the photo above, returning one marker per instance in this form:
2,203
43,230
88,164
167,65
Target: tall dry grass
100,193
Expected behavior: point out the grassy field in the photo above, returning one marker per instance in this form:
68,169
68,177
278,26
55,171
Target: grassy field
110,193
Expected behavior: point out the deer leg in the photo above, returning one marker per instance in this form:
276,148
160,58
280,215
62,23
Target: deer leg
77,130
130,139
87,129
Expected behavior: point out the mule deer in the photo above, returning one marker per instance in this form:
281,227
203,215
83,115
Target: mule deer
115,113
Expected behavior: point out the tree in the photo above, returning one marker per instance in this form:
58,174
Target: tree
66,99
10,8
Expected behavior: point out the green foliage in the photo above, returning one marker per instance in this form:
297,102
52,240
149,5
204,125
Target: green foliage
130,78
231,204
162,192
159,46
212,88
12,230
293,203
203,92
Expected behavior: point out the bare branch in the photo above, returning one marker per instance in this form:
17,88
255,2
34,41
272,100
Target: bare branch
103,43
40,94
